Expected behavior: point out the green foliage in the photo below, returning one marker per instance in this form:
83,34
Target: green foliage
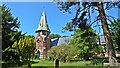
52,36
25,48
115,32
85,42
10,34
68,27
9,24
62,52
83,16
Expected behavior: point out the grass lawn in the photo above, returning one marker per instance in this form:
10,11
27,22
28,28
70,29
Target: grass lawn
42,62
36,63
46,63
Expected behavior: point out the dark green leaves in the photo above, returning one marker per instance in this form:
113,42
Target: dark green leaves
52,36
115,32
85,42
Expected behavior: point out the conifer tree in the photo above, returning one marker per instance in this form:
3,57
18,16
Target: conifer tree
83,13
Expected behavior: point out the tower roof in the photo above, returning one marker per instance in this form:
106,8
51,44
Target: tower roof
43,23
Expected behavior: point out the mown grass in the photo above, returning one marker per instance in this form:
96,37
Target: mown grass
76,64
36,63
95,63
43,62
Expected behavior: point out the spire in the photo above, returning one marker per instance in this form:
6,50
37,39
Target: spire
43,23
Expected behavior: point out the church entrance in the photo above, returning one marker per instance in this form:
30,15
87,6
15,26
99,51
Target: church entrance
38,54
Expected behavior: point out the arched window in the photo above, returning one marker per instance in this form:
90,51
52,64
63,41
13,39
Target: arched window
38,53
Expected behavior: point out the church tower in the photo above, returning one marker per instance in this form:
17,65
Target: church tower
42,37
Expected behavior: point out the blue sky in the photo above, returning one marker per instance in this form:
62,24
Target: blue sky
29,14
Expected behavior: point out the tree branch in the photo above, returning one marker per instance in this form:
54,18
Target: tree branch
96,19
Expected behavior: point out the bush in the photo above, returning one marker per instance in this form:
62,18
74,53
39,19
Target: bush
63,52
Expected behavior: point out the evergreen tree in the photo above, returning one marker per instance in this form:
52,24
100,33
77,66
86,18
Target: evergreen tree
83,17
10,33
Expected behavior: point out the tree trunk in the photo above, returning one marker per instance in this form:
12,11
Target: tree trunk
29,64
108,40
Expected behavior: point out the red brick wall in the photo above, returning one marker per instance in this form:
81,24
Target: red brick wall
41,45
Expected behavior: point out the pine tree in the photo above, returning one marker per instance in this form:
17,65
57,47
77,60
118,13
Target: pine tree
10,33
83,17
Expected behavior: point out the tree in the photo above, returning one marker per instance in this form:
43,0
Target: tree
52,36
115,32
83,17
52,53
85,42
25,48
64,52
10,32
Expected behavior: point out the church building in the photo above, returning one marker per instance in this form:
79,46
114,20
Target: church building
42,38
43,41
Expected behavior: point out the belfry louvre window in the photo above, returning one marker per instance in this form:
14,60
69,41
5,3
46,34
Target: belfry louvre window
39,34
38,41
43,49
44,33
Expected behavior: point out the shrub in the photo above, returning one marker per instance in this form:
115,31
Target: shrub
63,52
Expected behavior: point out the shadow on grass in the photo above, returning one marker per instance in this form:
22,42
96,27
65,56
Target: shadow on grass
40,67
11,64
34,62
74,67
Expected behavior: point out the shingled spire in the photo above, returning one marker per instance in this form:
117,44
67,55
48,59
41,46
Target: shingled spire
43,26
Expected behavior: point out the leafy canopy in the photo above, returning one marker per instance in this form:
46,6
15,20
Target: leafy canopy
115,32
63,52
85,41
